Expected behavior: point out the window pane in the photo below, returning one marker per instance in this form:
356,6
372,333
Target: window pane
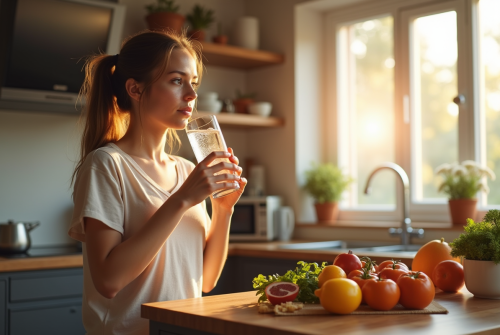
433,87
366,115
490,70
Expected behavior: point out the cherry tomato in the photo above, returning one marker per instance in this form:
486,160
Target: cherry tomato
381,294
448,276
390,263
393,271
417,290
361,278
348,262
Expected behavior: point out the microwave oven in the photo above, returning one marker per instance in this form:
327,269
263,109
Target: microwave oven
254,219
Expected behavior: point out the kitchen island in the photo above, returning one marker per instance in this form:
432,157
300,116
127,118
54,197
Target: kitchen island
237,314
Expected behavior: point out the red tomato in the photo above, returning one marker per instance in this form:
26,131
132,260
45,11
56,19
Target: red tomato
448,276
390,263
348,262
393,271
361,278
381,294
417,290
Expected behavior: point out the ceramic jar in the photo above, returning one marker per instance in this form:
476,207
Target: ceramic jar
246,32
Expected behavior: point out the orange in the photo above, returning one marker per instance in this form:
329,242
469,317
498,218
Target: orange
339,295
430,255
330,272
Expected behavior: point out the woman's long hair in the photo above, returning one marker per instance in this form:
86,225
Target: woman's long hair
108,105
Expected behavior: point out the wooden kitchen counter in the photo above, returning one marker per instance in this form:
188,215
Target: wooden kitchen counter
248,249
272,250
40,263
237,314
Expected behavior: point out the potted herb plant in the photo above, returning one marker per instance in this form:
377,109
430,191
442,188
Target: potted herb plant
219,38
243,100
326,182
461,183
163,16
199,20
479,245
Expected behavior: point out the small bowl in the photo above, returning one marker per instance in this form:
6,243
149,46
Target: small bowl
208,96
211,106
260,108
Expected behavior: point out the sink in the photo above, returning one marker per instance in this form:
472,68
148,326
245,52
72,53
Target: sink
355,246
412,248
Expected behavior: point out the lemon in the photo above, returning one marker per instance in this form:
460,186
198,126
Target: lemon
330,272
339,295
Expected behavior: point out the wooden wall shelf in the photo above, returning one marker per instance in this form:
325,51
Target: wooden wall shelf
239,58
245,120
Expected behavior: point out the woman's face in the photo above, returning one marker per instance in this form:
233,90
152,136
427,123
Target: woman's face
172,97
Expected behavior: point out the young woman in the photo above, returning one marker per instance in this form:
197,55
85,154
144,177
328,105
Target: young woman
139,212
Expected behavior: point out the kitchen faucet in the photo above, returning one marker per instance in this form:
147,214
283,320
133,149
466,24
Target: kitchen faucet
406,231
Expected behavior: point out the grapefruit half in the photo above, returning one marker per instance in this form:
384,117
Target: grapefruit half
281,292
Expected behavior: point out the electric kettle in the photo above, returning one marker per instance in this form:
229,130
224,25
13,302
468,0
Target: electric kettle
15,237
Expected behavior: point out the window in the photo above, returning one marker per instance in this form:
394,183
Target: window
418,86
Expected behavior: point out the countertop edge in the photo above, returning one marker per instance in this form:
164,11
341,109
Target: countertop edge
41,263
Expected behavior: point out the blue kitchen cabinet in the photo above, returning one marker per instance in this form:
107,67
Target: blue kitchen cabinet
42,302
3,304
239,271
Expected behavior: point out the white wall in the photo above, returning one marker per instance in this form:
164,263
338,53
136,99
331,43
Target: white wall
37,153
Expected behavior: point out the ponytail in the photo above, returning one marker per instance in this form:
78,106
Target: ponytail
108,105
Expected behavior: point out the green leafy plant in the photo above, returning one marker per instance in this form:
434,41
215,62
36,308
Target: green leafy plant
481,240
326,182
240,95
163,6
305,276
200,18
463,181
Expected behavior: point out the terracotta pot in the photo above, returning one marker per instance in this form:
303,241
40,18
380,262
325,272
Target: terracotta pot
327,212
461,210
241,105
198,35
221,39
165,21
481,278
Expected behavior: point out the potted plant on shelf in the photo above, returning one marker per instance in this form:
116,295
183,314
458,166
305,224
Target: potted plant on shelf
220,38
479,245
163,16
326,182
243,100
199,20
461,183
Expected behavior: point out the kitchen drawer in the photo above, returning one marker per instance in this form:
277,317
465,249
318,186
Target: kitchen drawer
61,320
46,285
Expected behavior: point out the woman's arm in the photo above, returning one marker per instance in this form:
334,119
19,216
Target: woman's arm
216,246
114,264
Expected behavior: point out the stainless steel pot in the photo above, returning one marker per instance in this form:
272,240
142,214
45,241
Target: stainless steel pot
15,237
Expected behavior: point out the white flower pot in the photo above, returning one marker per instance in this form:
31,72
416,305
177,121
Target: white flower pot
482,278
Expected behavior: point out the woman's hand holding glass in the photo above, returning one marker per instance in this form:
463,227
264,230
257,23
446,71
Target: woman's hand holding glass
202,181
227,202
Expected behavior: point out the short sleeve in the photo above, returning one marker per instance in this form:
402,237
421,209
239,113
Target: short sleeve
97,194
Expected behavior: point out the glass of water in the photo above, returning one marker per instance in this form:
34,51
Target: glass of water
205,137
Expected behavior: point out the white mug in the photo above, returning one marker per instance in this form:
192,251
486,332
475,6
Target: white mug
285,221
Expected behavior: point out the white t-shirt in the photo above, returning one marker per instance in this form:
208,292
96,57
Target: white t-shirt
112,188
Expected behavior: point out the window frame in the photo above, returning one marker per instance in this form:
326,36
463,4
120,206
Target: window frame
469,122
